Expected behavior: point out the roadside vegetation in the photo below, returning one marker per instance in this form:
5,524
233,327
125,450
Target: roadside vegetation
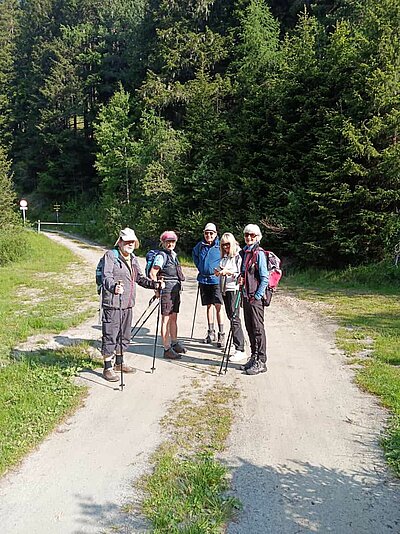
187,490
366,302
36,394
37,297
36,293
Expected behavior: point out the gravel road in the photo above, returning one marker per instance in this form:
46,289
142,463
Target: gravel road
303,450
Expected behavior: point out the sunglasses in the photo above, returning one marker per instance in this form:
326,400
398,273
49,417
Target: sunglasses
209,233
226,244
129,242
250,235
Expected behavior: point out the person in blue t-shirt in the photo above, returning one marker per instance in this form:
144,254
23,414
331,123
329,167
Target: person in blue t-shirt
206,257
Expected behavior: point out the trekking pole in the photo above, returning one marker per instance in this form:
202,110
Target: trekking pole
100,306
120,337
195,309
227,349
156,336
133,333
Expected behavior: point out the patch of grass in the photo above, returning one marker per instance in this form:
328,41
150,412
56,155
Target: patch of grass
48,291
36,393
186,493
366,303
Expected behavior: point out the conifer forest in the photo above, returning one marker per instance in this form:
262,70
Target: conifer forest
166,114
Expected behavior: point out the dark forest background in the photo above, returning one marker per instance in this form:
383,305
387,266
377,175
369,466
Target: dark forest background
169,113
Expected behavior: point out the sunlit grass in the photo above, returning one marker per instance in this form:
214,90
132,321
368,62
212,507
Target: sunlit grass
48,291
36,393
186,492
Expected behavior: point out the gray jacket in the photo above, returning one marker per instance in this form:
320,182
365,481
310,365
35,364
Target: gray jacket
116,269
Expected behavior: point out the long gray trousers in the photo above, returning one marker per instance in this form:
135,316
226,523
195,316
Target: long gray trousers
111,339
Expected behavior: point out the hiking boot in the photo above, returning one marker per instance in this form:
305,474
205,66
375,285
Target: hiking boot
125,368
210,337
249,363
257,368
179,348
221,340
239,356
170,354
110,375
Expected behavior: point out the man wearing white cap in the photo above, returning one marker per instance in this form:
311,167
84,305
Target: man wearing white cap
206,257
120,273
254,278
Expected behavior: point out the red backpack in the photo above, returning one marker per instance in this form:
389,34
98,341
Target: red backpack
274,272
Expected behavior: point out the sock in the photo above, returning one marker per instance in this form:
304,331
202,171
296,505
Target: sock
107,364
119,359
174,342
221,328
211,327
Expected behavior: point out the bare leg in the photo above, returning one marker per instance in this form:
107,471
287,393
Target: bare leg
173,326
218,310
210,314
165,331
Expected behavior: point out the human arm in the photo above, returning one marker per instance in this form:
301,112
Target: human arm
263,273
158,264
112,275
195,255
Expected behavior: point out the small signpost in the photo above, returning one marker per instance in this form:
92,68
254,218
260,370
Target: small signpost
23,206
56,208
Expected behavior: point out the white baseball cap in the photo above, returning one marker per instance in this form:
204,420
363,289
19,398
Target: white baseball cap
210,227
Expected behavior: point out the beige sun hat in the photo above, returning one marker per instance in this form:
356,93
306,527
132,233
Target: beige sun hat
127,234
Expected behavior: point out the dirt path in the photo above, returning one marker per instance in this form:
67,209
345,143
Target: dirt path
303,450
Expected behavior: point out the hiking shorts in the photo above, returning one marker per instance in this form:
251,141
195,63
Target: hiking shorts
170,302
210,294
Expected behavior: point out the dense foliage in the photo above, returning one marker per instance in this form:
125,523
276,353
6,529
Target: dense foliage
11,231
168,114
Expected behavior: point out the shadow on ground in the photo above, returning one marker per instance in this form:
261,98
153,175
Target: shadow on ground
299,497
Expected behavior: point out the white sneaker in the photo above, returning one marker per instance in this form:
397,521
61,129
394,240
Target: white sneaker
239,356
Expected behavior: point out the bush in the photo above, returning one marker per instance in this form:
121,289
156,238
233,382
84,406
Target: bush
13,245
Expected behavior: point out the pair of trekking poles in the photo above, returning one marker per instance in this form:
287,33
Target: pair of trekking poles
135,329
228,344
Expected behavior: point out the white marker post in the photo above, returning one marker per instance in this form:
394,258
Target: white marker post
23,205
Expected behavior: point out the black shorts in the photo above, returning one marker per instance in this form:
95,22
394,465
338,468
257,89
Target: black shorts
210,294
170,302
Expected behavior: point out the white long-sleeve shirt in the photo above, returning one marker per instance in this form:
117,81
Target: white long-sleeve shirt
233,265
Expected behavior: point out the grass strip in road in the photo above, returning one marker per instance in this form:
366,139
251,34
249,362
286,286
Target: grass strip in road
50,290
187,490
36,394
366,303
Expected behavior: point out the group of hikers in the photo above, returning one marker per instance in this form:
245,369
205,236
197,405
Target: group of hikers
227,275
